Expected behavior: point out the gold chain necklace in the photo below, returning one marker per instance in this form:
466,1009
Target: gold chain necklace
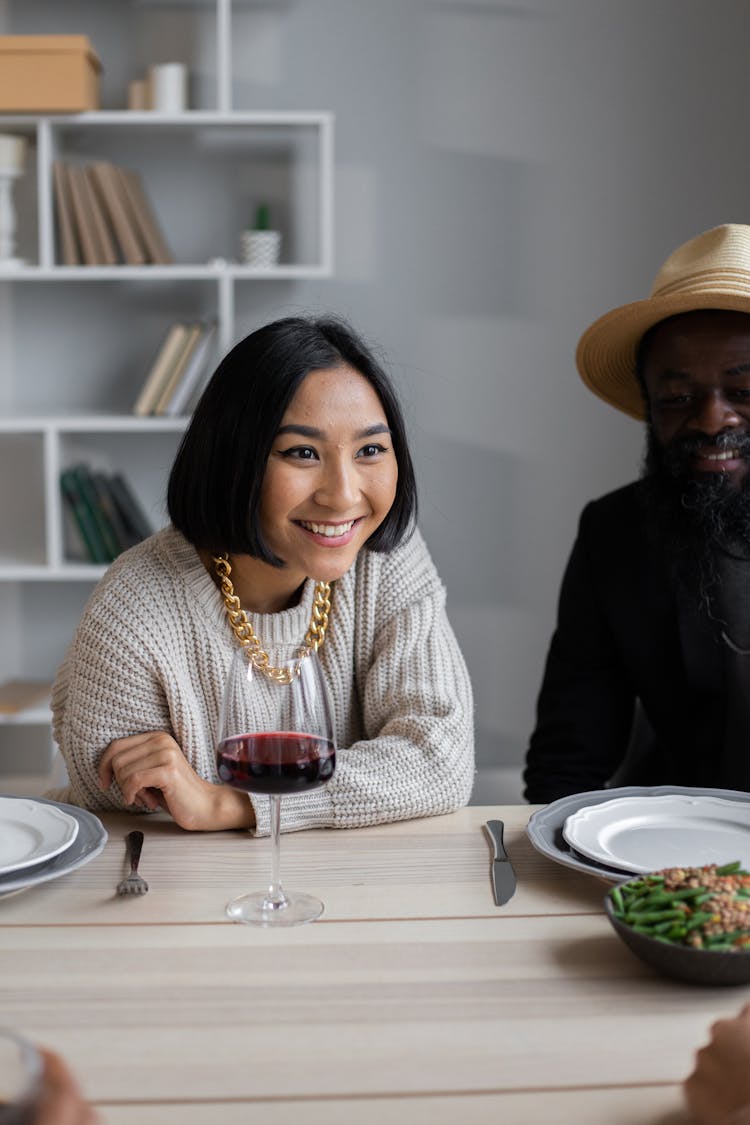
249,639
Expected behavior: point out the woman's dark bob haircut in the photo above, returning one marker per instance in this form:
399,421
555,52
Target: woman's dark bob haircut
214,488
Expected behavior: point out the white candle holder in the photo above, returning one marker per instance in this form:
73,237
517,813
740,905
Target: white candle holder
12,157
260,248
8,220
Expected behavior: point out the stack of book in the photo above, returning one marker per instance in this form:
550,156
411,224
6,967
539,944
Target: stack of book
103,515
21,695
104,217
179,370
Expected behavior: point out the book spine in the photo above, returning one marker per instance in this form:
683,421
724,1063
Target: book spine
105,178
68,249
84,519
84,226
191,339
85,481
143,216
99,219
130,509
123,536
161,369
193,375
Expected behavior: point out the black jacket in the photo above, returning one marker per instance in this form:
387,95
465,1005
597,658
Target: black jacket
623,635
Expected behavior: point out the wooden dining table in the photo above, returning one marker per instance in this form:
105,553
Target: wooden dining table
413,999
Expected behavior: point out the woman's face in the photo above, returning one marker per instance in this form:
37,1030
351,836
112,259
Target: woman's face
331,475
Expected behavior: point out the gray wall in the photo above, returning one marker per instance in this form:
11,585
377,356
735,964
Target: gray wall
506,173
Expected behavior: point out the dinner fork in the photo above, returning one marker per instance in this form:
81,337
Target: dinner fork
133,884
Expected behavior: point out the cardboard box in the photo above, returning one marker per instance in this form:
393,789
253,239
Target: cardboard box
48,74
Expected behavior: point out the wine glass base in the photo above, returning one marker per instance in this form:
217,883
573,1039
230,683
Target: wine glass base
256,910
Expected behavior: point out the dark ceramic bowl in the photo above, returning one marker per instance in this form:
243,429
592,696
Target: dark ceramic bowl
698,966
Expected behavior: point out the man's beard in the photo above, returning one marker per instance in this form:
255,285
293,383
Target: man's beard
693,517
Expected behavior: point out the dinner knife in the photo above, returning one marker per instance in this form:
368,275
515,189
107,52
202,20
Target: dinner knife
503,875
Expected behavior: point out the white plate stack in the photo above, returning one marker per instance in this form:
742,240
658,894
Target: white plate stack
41,840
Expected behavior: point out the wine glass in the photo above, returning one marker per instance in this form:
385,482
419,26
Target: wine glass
275,737
21,1069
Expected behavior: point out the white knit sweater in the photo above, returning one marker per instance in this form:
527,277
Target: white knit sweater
153,649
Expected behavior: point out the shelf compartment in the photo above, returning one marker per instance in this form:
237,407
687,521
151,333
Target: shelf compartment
205,175
104,369
129,37
22,498
143,458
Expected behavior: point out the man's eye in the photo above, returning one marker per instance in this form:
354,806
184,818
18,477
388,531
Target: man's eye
664,402
371,450
300,453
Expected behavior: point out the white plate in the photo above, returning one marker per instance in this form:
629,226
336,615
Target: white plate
32,832
87,845
545,827
648,833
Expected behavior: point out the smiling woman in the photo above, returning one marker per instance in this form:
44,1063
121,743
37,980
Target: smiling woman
292,500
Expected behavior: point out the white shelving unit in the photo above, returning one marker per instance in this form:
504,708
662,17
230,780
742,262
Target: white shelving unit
76,341
288,154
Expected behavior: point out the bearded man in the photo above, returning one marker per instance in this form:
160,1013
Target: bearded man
647,680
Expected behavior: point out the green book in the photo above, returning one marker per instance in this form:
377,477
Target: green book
85,522
130,510
107,536
108,504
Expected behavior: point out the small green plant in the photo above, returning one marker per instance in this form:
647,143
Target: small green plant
262,217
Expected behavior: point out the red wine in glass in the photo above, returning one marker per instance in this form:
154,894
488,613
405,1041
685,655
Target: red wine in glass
276,762
276,741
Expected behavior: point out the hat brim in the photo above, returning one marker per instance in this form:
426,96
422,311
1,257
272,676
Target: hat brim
606,353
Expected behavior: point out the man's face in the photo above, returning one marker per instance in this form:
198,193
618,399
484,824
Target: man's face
696,483
696,370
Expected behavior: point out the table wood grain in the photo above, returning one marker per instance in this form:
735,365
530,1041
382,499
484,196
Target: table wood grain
413,999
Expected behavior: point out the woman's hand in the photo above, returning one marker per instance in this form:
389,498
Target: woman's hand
151,770
718,1090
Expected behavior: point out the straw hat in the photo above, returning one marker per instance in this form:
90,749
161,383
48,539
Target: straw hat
711,271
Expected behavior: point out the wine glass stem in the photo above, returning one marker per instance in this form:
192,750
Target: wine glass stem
275,899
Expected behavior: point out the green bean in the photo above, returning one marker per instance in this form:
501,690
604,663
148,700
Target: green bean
652,915
698,920
729,868
616,896
660,898
733,935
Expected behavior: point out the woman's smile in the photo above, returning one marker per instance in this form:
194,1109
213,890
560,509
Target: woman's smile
329,534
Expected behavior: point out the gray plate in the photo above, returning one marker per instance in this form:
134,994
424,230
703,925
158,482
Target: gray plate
545,826
89,841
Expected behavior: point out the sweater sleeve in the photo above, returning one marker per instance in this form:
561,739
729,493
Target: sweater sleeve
105,689
417,754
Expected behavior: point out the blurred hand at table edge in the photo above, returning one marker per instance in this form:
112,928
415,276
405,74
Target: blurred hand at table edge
718,1090
152,771
61,1101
